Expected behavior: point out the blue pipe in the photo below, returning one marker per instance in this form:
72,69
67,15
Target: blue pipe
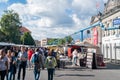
81,35
94,25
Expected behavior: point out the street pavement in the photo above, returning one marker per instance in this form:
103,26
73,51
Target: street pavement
111,72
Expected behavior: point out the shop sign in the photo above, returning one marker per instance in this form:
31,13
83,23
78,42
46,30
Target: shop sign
116,21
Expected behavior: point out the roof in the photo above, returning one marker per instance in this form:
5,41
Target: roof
85,44
24,30
111,4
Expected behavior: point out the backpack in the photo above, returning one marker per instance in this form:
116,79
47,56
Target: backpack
50,62
36,58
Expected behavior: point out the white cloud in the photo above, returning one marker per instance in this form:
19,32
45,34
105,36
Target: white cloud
86,6
3,1
55,18
105,1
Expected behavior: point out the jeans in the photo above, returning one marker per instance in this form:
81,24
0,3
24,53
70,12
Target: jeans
75,60
50,74
7,75
36,74
2,75
12,72
29,64
21,66
11,76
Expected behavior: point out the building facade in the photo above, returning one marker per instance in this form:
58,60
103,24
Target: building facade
37,43
111,38
108,38
44,42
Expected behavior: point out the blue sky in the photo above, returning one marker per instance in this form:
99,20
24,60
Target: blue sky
6,3
53,18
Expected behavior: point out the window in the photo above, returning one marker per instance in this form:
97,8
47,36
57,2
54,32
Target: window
107,25
108,34
113,32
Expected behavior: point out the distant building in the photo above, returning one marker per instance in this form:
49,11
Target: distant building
44,42
38,43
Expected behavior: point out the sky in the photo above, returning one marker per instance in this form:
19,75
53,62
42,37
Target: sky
53,18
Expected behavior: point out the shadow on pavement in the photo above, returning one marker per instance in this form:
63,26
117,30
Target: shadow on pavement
112,66
109,66
61,75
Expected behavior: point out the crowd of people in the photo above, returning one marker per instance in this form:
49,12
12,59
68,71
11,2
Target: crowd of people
15,60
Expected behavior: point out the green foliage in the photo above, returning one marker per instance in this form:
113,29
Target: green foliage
2,37
68,39
27,39
56,41
50,41
61,41
10,23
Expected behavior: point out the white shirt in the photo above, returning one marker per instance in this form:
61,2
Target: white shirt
74,53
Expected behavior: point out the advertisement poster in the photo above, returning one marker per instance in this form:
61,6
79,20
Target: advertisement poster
95,36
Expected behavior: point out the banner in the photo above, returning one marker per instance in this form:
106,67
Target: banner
95,36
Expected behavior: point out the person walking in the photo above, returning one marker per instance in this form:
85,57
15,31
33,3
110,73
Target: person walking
29,52
9,58
50,64
58,58
37,61
22,63
3,64
12,70
54,54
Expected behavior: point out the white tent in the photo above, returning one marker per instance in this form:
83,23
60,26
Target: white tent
6,44
90,46
86,44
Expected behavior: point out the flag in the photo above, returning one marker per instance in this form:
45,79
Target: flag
97,4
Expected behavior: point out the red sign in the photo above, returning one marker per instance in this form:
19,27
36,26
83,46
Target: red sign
95,36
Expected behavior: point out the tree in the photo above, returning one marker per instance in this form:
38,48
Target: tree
10,23
68,39
27,39
61,41
50,41
2,37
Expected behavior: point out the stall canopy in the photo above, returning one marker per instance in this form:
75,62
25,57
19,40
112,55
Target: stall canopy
86,44
89,45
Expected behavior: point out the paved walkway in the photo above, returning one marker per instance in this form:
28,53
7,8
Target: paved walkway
80,73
